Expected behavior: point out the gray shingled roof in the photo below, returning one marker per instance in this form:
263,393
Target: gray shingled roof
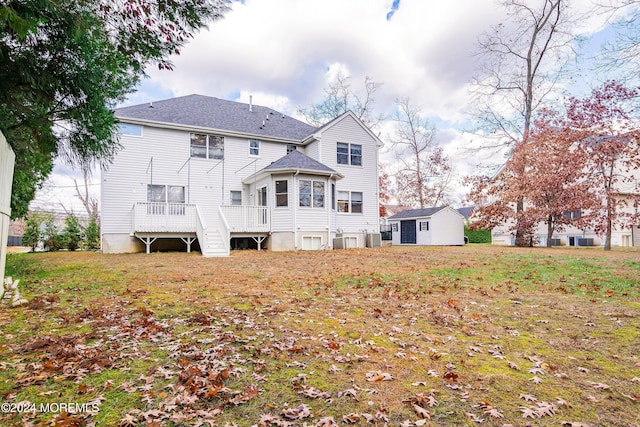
298,160
466,211
215,113
417,213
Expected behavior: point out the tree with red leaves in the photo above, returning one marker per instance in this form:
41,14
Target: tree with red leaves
607,131
581,163
384,189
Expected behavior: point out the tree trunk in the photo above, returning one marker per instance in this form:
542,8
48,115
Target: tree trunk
520,238
549,230
607,243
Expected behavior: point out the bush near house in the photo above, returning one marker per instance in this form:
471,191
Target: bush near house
477,235
71,234
92,235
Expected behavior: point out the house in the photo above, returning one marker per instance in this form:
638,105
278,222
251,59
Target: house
574,235
222,174
431,226
570,235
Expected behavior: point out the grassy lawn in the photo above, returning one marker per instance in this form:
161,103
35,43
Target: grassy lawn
396,336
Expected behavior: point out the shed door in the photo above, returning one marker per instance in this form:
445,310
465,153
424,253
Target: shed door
408,232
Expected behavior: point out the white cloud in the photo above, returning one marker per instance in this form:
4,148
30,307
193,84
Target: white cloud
283,52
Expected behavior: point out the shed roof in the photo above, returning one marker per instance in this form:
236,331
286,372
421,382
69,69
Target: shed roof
417,213
219,114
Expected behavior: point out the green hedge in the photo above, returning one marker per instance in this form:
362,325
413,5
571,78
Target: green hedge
477,236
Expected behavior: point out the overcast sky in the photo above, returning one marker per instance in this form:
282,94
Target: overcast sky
284,52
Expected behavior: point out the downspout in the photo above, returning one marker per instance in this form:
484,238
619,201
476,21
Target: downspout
330,207
295,211
222,201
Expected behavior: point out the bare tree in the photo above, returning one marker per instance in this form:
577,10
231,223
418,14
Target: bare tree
425,172
623,56
521,64
89,202
340,98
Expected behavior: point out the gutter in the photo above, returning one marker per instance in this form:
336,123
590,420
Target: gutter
189,128
295,213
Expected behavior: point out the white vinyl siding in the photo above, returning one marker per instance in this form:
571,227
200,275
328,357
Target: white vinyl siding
363,179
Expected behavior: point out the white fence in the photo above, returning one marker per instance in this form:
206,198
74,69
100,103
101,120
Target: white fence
7,161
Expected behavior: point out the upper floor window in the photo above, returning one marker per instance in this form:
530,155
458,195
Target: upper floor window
350,201
349,154
291,147
572,214
131,130
207,146
254,148
311,194
282,193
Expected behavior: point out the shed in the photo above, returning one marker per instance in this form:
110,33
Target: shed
441,226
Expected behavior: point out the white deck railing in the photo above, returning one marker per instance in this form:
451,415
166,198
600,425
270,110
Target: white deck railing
164,218
247,219
185,218
225,231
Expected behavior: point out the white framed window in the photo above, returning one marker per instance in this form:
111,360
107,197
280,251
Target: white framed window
350,201
311,193
254,147
349,154
311,243
236,198
130,130
350,242
333,196
424,225
165,193
394,227
162,195
282,193
207,146
291,147
262,196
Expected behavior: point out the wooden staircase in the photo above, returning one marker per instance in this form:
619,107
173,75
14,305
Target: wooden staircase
213,245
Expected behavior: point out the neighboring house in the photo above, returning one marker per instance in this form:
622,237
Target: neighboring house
16,231
467,213
571,235
442,226
202,169
576,236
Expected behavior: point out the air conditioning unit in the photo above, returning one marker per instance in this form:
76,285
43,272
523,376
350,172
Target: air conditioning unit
585,242
339,243
374,240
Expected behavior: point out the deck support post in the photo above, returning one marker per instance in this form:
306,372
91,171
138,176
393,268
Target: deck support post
147,241
188,241
259,240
